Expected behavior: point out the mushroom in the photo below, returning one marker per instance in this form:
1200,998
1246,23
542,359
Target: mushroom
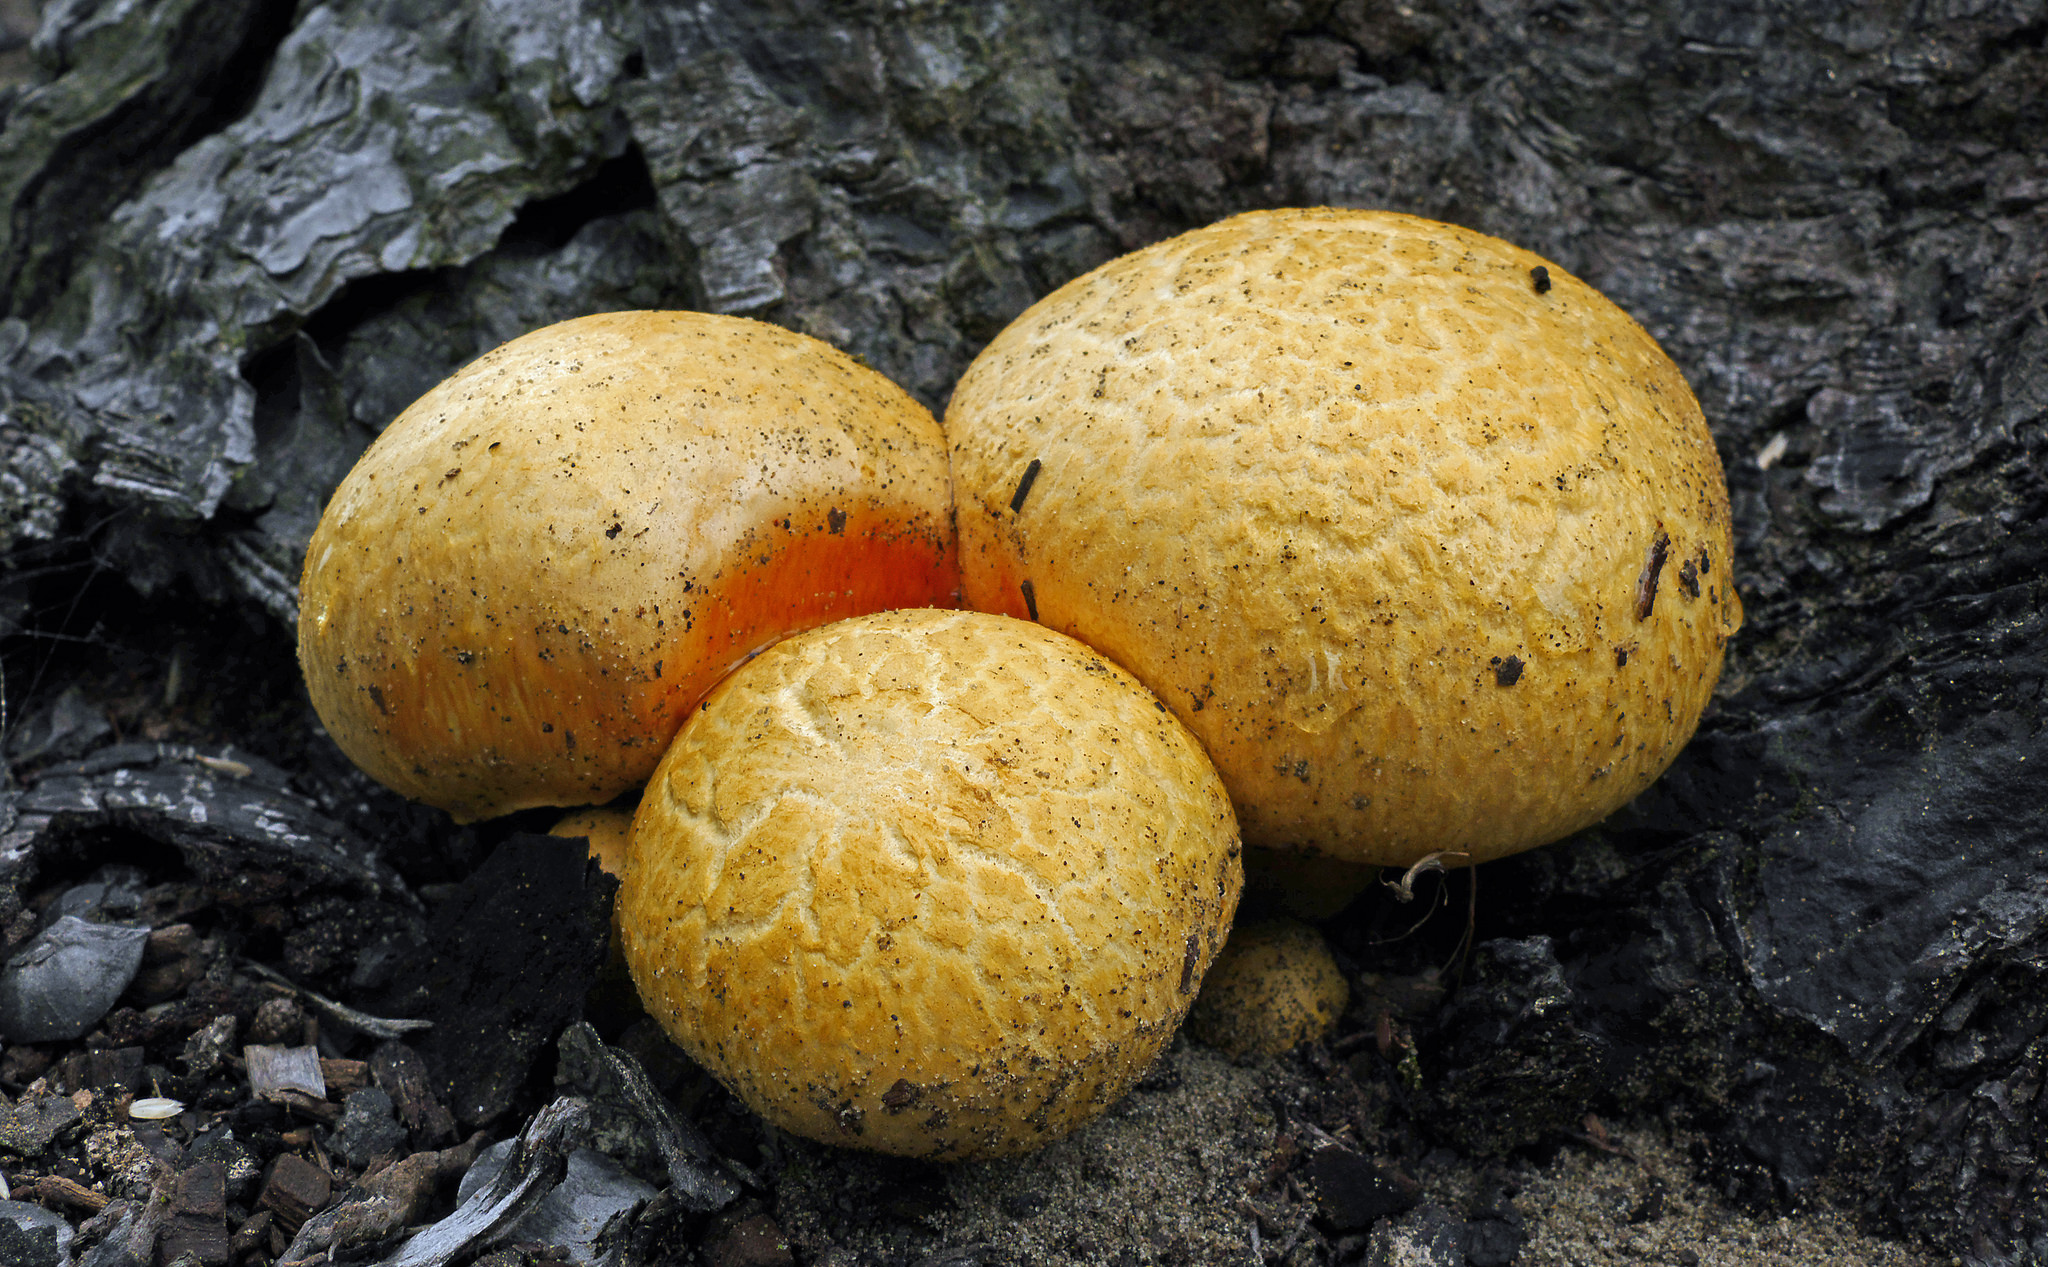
1423,538
1275,986
539,568
929,883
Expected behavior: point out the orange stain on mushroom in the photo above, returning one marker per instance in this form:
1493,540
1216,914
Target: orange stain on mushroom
538,570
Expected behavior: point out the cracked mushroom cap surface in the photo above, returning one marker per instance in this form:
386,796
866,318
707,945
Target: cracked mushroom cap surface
1424,539
931,883
536,571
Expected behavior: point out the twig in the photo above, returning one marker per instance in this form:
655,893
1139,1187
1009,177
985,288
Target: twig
374,1026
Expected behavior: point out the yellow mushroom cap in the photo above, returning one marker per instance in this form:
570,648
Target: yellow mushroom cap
929,883
1423,538
538,569
1274,987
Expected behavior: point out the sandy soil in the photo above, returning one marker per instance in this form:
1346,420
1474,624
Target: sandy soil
1646,1209
1183,1174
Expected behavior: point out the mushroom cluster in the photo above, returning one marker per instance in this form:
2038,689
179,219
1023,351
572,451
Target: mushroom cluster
1387,540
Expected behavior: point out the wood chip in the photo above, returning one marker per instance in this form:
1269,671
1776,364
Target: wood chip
325,1112
293,1189
402,1074
344,1076
57,1190
275,1069
172,941
254,1232
535,1167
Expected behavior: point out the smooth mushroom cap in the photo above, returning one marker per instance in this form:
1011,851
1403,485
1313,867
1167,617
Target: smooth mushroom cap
929,883
1423,538
538,569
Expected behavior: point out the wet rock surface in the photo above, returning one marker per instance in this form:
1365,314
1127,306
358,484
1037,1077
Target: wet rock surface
242,235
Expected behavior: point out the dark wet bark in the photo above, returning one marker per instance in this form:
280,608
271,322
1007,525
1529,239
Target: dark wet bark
239,239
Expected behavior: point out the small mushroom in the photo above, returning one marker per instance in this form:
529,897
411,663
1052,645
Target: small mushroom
1371,513
1274,987
930,883
539,568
